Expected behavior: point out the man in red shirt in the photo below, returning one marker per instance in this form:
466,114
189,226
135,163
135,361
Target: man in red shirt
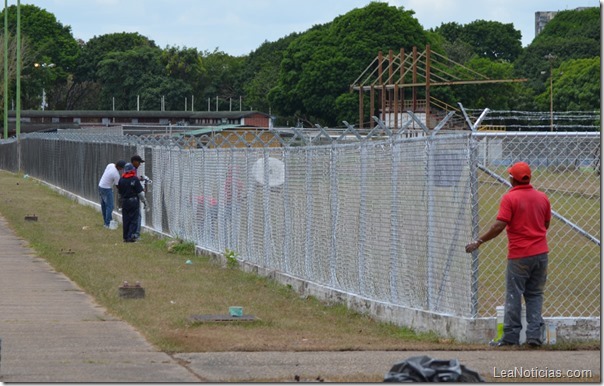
526,214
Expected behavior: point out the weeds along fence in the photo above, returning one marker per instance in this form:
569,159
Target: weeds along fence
381,217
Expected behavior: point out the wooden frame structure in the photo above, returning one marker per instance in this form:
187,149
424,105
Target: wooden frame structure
386,79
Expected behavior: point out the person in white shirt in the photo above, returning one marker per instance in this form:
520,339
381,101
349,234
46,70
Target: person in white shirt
109,179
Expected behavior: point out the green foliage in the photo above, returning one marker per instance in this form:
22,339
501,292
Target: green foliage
223,76
231,258
305,77
47,41
125,74
570,35
185,65
261,70
180,247
496,95
576,86
320,64
487,39
97,49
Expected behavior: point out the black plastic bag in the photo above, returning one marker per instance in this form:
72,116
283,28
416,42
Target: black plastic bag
426,369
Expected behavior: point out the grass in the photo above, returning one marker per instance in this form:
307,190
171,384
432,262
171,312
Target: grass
72,239
98,261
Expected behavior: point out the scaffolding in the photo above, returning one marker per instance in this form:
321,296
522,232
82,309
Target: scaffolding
388,78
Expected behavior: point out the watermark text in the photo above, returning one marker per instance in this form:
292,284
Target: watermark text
538,372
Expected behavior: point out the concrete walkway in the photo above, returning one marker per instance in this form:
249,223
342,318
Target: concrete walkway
52,331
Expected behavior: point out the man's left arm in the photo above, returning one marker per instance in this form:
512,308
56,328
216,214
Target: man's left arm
494,231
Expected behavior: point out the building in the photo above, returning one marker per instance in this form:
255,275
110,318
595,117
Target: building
541,19
544,17
51,120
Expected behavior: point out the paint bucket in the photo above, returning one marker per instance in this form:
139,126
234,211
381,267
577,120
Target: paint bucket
500,314
236,311
550,333
113,225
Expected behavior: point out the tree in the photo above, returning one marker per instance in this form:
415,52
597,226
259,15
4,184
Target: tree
12,66
569,35
487,39
185,64
124,75
47,41
576,86
97,48
320,64
223,77
500,96
85,88
260,72
173,91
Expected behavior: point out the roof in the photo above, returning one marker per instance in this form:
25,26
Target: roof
140,114
205,131
225,114
217,129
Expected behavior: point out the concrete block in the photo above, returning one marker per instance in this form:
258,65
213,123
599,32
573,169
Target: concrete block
127,291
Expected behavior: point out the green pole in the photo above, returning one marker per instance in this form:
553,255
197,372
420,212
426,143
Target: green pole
5,69
18,123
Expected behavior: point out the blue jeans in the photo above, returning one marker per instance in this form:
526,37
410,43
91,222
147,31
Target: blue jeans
106,204
524,277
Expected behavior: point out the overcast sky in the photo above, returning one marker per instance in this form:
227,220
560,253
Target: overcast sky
238,27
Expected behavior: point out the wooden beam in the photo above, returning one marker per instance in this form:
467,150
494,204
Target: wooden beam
452,83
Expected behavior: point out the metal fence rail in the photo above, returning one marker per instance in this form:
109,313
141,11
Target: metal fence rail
381,215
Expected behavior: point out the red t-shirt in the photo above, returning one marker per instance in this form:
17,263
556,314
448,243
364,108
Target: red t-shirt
526,211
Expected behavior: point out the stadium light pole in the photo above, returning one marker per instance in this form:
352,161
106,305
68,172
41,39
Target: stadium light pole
5,69
43,66
18,112
551,59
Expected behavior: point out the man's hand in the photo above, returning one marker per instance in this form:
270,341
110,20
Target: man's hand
473,246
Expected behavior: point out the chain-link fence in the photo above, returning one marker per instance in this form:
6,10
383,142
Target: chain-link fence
381,215
566,166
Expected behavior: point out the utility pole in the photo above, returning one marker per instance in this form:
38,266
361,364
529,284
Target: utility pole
18,115
551,59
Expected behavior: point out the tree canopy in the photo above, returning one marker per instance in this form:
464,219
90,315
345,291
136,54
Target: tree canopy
487,39
320,65
306,76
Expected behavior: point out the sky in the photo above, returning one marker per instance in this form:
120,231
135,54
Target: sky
238,27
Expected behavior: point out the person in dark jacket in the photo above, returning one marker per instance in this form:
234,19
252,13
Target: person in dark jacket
131,194
136,161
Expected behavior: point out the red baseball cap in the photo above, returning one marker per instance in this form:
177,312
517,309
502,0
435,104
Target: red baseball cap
520,171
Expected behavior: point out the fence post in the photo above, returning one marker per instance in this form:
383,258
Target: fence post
287,212
474,202
266,192
308,245
362,216
430,231
334,215
474,199
394,233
